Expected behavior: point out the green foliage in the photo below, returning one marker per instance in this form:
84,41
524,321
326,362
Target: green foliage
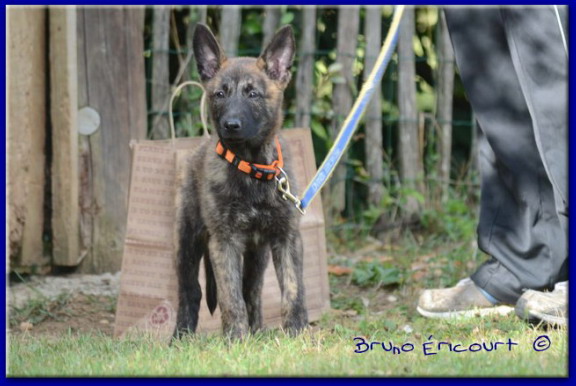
347,303
326,76
187,120
375,273
454,220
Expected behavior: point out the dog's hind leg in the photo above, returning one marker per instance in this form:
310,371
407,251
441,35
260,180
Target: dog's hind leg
226,258
255,262
191,247
287,254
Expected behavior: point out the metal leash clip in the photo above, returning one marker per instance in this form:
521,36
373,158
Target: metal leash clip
284,187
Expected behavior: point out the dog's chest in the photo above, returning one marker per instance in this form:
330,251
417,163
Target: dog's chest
250,207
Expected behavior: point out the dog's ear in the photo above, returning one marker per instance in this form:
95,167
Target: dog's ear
209,56
276,59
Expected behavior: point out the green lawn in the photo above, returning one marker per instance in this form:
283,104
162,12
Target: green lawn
324,350
375,300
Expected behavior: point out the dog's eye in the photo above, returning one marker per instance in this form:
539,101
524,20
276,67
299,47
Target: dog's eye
253,94
219,94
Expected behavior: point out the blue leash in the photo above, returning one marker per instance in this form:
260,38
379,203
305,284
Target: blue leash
351,123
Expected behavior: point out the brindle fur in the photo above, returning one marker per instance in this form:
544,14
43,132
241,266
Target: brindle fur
230,218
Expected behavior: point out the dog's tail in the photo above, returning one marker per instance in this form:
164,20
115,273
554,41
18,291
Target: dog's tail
211,289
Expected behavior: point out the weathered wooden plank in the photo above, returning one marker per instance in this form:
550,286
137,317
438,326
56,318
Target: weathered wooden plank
305,75
86,196
26,56
160,71
230,29
445,91
272,14
111,81
63,115
348,22
373,142
408,144
197,15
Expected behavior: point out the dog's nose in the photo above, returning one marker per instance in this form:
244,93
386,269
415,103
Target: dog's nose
233,124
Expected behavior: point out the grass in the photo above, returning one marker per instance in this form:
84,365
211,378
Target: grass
375,302
327,351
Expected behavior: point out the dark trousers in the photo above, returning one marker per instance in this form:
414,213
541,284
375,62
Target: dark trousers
514,67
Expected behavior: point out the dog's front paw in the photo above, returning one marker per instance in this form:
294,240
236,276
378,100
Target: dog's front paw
296,322
235,331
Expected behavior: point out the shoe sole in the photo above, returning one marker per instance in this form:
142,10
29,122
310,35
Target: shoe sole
488,311
523,313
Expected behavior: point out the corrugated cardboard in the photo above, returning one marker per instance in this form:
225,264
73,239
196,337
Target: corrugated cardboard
148,299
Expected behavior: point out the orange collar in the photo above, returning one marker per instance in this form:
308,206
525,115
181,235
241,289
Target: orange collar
260,172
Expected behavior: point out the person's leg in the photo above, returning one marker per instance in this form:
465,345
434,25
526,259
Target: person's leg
519,226
540,57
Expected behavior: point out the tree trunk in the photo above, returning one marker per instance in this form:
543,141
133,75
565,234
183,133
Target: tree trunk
348,22
26,109
160,72
64,108
271,22
373,142
230,29
411,168
305,75
444,105
112,81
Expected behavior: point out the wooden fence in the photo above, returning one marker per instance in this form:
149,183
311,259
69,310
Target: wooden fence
84,82
74,214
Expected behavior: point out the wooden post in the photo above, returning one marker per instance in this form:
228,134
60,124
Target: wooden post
160,72
444,105
230,29
305,75
348,22
64,107
373,142
271,21
111,80
197,15
411,168
26,57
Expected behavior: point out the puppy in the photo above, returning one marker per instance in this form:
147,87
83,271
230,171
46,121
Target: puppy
232,213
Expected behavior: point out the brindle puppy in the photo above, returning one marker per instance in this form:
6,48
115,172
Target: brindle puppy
232,218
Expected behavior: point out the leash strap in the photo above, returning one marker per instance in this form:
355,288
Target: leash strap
353,118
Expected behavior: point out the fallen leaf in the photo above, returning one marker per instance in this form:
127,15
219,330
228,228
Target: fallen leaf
350,313
417,276
418,266
381,259
339,270
26,326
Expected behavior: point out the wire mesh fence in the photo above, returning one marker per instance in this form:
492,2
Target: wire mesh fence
326,74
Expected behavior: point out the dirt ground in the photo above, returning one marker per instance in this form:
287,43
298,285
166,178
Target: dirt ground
81,313
77,314
54,305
